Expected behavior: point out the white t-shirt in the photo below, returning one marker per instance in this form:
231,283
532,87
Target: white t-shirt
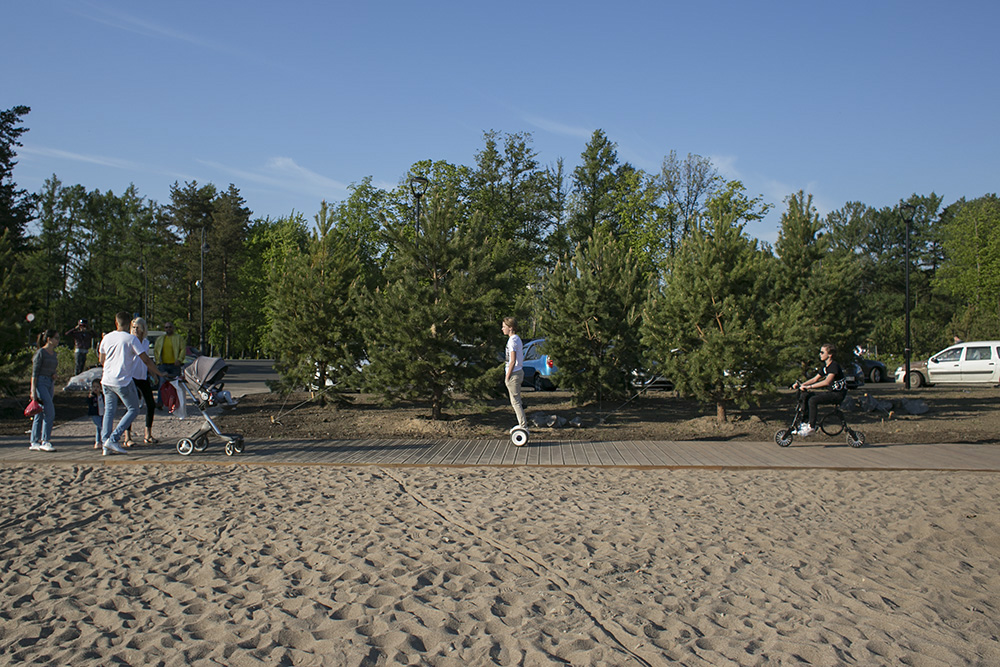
139,370
514,347
120,349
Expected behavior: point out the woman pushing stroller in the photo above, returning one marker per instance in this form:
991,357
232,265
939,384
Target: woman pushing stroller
831,379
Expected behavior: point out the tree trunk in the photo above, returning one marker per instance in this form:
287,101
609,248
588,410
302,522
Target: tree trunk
720,412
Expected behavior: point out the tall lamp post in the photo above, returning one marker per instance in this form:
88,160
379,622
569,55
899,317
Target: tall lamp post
201,287
907,211
418,186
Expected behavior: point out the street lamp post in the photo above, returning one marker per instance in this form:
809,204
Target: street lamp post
418,186
201,287
907,211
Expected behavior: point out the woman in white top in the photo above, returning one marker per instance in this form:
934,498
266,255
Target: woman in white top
140,376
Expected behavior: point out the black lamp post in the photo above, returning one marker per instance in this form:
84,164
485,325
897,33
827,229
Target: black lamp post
201,287
907,211
418,186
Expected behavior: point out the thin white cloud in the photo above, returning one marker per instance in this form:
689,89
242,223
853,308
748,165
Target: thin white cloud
558,128
105,16
284,173
101,160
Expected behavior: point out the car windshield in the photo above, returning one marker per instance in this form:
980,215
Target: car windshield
953,354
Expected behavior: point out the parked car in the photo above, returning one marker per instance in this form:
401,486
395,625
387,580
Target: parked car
649,380
874,371
976,362
538,367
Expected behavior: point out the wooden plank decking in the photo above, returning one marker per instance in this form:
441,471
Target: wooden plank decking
542,453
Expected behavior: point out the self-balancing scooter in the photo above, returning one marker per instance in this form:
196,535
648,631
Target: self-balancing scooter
519,436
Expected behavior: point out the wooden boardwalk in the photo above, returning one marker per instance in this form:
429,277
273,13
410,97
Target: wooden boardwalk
812,453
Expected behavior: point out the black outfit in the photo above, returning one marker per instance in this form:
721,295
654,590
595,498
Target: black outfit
146,390
832,394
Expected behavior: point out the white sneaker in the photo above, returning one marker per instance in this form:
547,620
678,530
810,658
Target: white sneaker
805,431
34,447
46,447
112,447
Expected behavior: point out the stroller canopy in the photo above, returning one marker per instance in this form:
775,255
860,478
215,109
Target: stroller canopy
206,371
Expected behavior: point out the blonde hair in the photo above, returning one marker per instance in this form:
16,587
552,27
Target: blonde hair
139,324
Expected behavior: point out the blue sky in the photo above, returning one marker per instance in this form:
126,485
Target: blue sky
294,101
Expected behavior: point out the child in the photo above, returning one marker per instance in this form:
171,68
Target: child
95,408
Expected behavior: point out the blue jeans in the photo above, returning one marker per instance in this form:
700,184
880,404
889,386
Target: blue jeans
41,425
99,424
130,399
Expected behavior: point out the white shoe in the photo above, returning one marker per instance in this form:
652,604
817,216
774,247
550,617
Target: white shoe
34,447
46,447
112,447
805,431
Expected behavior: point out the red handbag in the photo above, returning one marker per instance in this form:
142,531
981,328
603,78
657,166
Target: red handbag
34,407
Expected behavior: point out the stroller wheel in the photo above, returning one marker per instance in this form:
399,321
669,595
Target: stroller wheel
783,437
185,446
855,439
238,444
200,444
230,450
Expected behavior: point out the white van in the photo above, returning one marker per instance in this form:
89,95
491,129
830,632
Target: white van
976,362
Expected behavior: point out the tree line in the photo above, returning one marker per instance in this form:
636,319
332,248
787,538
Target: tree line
618,268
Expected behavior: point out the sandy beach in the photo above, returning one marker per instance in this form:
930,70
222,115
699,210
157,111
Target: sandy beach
242,565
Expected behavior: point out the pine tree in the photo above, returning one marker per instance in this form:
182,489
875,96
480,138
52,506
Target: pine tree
816,288
593,302
13,356
313,315
432,329
710,325
16,205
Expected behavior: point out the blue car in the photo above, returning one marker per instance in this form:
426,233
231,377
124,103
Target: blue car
538,367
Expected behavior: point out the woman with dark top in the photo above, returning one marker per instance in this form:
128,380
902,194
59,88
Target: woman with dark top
831,379
43,381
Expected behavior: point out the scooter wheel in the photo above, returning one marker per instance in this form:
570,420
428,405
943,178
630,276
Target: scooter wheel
185,446
783,437
519,437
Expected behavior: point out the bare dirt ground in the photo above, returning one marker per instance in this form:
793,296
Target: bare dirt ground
956,414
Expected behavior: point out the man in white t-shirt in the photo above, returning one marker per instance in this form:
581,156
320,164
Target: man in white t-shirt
514,370
118,353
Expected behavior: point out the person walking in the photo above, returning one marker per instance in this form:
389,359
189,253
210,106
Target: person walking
140,376
514,370
118,353
83,339
43,387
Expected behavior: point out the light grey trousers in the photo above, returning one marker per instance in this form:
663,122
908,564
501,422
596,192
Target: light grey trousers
514,389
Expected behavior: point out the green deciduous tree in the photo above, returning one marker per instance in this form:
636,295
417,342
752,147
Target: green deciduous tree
971,272
710,325
687,186
593,300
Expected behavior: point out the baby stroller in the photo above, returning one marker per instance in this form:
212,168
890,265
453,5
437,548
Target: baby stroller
206,374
